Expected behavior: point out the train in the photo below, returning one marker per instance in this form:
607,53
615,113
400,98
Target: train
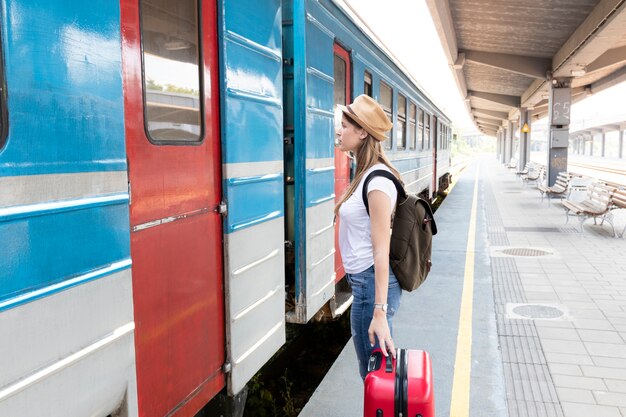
167,182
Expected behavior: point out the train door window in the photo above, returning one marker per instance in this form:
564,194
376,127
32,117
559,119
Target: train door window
171,71
412,113
367,84
439,136
420,128
401,133
427,130
340,81
443,137
3,102
386,101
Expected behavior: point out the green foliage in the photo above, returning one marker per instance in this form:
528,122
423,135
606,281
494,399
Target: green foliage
472,145
260,400
169,88
289,409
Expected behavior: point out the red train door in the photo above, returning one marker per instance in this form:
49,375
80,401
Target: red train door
172,139
342,89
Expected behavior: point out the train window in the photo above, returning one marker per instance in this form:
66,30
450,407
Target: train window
367,84
420,128
427,130
412,113
386,101
4,120
340,80
171,71
401,133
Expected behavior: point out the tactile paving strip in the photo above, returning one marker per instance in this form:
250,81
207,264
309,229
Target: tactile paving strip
529,387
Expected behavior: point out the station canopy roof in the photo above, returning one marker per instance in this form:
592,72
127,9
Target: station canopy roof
506,54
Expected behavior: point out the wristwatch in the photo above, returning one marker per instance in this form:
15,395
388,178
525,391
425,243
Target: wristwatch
383,307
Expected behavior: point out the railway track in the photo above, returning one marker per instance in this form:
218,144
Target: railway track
599,168
608,171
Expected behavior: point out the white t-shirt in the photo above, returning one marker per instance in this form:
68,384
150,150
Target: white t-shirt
355,233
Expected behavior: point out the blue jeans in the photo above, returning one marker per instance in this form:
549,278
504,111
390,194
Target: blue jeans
363,291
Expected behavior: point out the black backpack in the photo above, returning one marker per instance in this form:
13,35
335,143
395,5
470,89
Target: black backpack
413,227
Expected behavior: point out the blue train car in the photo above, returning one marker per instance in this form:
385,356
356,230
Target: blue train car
328,61
66,310
197,139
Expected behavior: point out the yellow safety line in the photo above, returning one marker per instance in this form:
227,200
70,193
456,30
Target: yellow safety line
459,406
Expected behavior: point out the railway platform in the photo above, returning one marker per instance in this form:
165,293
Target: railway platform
522,314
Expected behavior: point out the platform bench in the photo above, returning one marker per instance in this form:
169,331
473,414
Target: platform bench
618,202
535,174
527,168
559,187
598,204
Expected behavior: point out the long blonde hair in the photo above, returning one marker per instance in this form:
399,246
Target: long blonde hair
367,155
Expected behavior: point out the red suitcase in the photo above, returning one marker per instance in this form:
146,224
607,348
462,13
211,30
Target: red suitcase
402,387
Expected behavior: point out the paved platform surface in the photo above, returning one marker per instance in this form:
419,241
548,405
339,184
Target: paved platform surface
548,318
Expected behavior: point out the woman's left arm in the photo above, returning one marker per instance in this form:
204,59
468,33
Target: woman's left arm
380,220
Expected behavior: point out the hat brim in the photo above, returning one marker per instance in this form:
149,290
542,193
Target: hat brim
377,135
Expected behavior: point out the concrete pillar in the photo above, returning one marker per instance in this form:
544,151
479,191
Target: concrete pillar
591,144
498,151
506,145
621,143
558,121
602,154
510,139
524,140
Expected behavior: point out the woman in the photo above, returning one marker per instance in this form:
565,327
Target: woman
364,240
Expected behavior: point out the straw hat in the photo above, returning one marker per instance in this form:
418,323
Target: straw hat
368,114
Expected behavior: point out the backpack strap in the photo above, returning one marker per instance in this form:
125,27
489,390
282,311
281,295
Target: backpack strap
381,173
430,217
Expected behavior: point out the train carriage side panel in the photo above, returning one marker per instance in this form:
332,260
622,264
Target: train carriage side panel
65,278
311,27
415,165
171,96
252,152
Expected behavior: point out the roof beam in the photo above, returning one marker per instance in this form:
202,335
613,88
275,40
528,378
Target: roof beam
442,18
524,65
609,81
492,114
539,114
487,128
489,122
605,26
505,100
615,56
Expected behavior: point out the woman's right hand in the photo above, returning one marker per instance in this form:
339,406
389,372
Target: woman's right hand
379,328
